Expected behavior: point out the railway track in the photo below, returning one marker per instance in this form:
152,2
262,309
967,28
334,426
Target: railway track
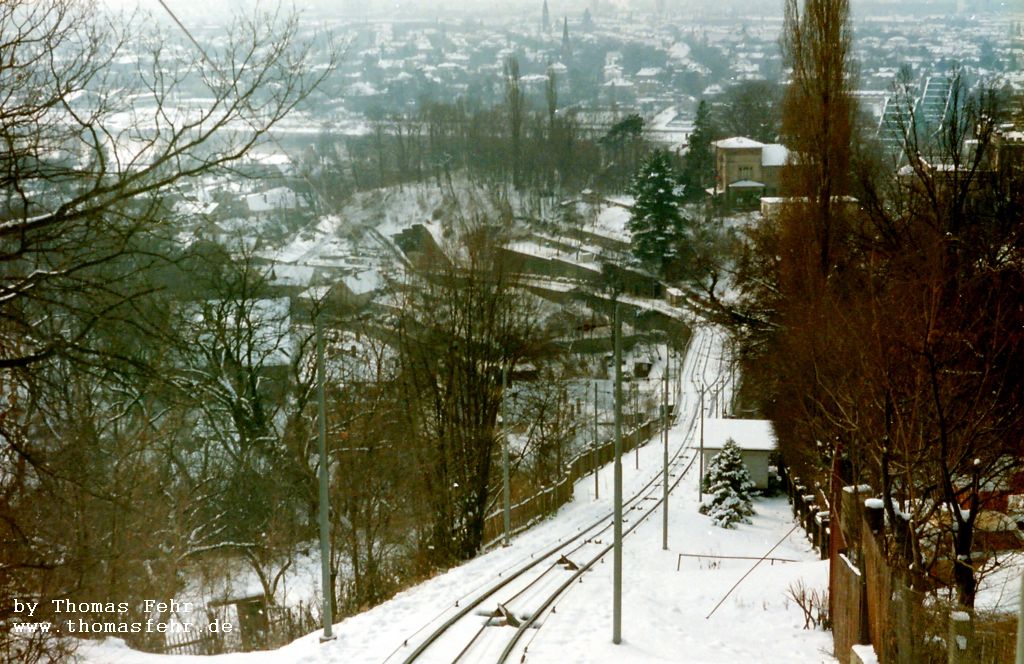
481,629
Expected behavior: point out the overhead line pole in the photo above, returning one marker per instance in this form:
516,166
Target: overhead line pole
326,585
617,555
664,467
635,388
700,479
506,489
597,488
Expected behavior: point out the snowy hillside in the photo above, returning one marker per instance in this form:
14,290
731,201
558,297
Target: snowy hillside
667,597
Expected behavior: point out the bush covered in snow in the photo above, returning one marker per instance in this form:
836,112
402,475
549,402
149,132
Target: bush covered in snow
729,485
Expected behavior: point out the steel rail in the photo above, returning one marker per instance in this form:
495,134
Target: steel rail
702,360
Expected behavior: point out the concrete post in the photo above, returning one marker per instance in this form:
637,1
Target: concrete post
700,478
617,557
664,467
597,488
961,630
326,583
506,487
1020,623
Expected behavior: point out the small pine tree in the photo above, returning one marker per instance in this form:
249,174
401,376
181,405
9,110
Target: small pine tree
656,222
729,485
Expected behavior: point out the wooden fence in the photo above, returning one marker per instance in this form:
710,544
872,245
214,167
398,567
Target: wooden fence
524,513
873,603
847,596
277,626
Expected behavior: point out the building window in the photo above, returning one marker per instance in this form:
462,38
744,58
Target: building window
746,172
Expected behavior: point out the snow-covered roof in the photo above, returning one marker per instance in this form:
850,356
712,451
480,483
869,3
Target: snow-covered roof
738,142
365,282
679,51
283,274
278,198
746,184
748,434
774,154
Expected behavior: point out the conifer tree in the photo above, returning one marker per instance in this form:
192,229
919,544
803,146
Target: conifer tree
656,223
729,485
699,167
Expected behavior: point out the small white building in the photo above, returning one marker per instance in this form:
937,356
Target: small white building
756,438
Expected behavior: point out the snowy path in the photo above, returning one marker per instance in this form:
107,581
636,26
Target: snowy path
663,609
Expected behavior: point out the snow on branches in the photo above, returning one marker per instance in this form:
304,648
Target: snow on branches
729,485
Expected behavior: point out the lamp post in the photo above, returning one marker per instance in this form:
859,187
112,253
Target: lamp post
325,525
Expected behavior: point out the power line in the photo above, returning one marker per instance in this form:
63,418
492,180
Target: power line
206,58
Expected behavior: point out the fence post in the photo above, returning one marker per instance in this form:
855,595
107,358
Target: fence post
823,520
961,630
1020,623
905,643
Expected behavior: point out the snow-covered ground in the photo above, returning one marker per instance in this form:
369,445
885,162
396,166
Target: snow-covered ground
665,610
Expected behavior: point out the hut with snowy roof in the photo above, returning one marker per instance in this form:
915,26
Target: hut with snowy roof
755,438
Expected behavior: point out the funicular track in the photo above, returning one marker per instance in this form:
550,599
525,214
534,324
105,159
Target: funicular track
479,630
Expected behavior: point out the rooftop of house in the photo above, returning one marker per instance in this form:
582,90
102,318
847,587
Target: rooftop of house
738,143
755,435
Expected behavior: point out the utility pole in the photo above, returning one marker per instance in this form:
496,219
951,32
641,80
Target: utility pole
664,467
506,490
597,489
326,586
617,563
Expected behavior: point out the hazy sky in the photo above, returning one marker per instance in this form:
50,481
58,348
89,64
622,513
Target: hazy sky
572,8
207,10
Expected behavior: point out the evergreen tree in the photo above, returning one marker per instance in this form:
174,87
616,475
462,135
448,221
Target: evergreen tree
656,223
729,485
699,168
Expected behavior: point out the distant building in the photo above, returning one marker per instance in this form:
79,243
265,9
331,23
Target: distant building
746,170
272,203
1009,150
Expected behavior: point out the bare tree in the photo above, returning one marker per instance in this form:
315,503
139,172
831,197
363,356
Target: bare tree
948,405
98,127
464,318
817,121
89,148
